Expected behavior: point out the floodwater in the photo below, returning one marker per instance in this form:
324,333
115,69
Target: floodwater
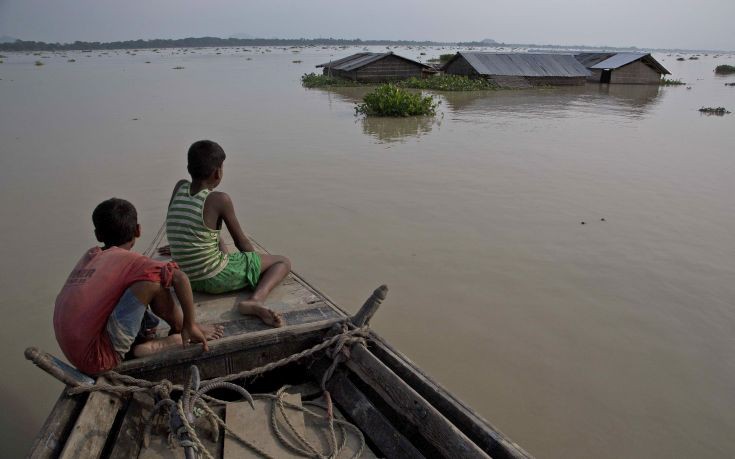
609,339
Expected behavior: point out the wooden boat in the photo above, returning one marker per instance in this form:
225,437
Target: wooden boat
400,411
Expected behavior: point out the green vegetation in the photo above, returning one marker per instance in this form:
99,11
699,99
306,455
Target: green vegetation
680,59
178,68
390,100
313,80
71,60
671,82
443,59
714,111
724,69
448,83
729,84
39,63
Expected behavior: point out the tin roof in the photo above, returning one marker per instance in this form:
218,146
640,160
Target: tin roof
358,60
611,61
524,64
590,59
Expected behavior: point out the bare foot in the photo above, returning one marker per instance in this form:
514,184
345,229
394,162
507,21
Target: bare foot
212,331
256,308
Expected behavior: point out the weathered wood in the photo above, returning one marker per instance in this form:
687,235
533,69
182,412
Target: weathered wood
479,430
254,426
193,354
130,436
56,368
50,440
372,304
369,420
92,428
434,428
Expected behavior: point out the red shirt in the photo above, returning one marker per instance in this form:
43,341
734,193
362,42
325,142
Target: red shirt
89,296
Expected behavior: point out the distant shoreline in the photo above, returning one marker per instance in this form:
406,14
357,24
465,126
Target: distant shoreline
209,42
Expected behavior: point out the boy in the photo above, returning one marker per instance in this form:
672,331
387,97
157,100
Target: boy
101,313
193,226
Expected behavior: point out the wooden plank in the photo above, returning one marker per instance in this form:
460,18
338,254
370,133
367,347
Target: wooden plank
57,368
193,354
130,436
249,324
254,425
53,434
479,430
93,426
369,420
434,428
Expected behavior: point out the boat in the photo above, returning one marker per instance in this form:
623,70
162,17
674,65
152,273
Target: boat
323,385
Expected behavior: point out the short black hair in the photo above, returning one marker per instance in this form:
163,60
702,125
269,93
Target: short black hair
115,221
204,158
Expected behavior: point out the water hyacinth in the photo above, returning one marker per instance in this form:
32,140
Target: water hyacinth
725,69
670,82
390,100
312,80
448,83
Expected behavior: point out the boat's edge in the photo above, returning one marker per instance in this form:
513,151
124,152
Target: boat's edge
63,417
52,436
477,428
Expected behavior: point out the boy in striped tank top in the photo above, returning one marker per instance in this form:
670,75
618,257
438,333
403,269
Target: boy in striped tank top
193,225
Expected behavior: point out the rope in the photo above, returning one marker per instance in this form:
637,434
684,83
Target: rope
150,250
194,390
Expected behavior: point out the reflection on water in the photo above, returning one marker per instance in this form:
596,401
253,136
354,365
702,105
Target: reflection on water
397,129
631,101
349,94
384,129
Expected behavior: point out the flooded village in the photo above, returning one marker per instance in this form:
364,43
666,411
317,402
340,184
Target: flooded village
552,224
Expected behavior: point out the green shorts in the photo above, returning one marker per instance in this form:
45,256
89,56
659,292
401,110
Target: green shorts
242,270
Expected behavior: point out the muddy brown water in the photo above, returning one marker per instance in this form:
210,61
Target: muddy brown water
609,339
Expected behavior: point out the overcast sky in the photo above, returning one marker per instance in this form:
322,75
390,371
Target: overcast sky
696,24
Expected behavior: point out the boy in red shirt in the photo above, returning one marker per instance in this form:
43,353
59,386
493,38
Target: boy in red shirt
101,314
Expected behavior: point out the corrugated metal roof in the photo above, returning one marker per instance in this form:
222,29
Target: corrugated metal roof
526,64
358,60
590,59
612,61
618,60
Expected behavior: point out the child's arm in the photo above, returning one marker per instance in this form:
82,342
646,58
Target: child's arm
191,330
226,211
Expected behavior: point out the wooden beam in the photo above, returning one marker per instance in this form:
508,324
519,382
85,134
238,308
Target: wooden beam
368,309
369,420
434,428
479,430
57,368
92,428
50,440
192,354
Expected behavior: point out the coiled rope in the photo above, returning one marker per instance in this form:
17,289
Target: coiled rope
181,413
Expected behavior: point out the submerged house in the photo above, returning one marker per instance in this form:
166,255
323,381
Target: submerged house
630,68
375,67
519,70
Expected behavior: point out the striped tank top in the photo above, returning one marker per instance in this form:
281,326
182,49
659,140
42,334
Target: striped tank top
194,247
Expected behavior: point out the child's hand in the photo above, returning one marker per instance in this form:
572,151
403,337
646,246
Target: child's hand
165,250
192,334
